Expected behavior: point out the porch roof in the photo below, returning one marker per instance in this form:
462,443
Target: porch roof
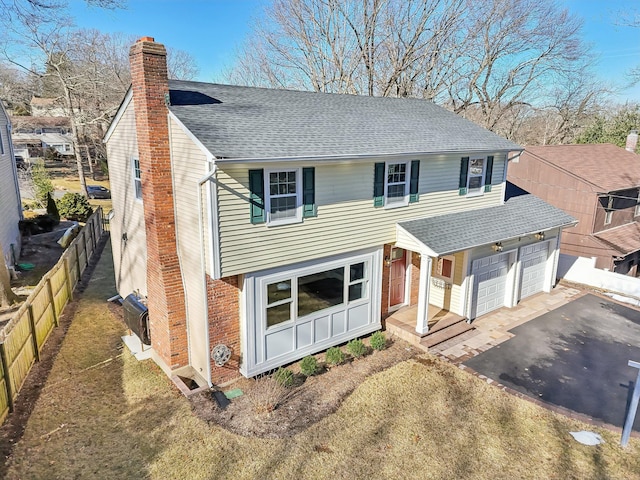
624,239
454,232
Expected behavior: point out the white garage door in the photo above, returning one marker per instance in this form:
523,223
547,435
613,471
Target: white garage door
490,280
533,259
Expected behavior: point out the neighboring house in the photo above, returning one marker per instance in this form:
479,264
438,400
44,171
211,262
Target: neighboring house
47,107
597,184
29,145
279,223
10,204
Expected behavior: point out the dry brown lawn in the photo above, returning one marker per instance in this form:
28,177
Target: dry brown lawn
102,414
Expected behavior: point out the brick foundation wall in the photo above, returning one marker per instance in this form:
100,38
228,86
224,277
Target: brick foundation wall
224,324
165,291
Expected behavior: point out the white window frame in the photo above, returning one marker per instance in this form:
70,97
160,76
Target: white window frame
2,144
636,212
137,180
268,196
477,191
293,277
407,180
439,263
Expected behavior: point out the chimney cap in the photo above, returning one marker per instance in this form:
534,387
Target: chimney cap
146,39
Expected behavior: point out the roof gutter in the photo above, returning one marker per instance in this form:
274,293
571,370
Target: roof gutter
364,156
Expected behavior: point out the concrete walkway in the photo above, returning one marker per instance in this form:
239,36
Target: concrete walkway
493,328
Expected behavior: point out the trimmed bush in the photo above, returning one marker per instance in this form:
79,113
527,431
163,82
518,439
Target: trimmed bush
74,206
266,394
378,341
52,208
356,348
284,377
41,182
334,356
309,366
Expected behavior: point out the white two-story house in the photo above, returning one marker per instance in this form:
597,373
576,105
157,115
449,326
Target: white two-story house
274,224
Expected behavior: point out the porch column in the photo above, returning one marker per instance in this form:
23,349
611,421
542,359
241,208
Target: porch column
422,322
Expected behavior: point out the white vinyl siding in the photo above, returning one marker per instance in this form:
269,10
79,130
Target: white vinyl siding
448,297
347,219
10,204
130,254
188,166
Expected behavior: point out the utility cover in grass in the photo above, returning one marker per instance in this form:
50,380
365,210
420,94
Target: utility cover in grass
587,438
231,394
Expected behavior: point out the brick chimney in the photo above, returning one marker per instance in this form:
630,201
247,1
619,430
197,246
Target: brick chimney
165,292
632,141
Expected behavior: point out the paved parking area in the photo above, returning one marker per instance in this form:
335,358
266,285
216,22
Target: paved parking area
574,356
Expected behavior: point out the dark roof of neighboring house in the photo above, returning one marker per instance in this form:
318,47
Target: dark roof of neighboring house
519,216
249,122
625,239
605,166
28,121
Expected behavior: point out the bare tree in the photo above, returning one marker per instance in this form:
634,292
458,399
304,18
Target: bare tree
370,47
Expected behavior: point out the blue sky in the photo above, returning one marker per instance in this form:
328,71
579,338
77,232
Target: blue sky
212,30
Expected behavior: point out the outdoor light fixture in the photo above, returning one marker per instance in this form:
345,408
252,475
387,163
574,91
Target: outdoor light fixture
497,247
387,261
539,236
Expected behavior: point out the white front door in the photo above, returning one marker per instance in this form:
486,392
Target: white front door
490,282
533,259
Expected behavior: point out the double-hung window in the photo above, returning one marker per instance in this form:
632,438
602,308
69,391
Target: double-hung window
283,197
137,178
475,175
395,184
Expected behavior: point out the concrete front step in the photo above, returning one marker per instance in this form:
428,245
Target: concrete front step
442,335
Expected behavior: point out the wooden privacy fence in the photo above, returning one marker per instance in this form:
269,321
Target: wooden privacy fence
22,338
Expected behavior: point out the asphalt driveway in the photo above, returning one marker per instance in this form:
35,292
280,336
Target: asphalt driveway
575,357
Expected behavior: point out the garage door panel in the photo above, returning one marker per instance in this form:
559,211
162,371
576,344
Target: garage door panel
490,275
533,259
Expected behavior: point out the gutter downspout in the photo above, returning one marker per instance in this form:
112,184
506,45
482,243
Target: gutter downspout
15,170
201,182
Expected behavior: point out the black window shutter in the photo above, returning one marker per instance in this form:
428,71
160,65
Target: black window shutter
464,172
378,185
256,187
413,184
309,208
488,174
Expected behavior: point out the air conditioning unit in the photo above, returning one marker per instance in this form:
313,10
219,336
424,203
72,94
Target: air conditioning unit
136,316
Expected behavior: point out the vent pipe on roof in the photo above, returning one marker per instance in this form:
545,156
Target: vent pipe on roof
632,141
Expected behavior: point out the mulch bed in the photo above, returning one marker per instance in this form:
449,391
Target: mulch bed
304,404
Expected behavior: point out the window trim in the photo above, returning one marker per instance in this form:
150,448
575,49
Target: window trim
608,212
137,179
480,190
438,267
298,195
407,183
2,143
636,212
295,275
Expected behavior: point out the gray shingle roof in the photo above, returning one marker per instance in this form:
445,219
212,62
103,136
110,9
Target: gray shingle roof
249,122
517,217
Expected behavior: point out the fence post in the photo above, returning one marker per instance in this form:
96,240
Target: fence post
52,299
78,262
34,336
86,250
7,376
67,273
